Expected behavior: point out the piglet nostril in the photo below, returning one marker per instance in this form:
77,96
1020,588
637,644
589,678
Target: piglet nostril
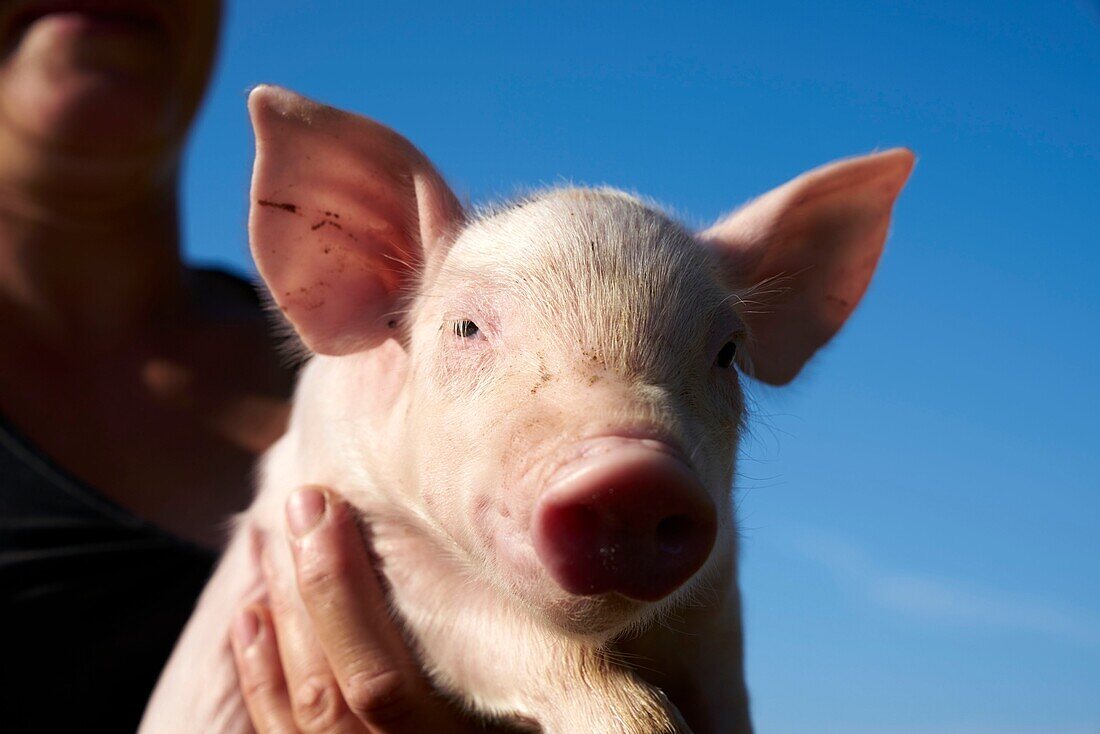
673,534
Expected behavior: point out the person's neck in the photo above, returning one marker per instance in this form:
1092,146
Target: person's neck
90,278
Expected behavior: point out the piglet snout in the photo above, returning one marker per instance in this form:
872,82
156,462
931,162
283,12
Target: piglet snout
632,520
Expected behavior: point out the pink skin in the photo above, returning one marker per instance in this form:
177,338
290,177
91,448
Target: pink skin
538,412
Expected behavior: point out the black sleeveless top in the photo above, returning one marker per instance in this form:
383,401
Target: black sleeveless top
92,599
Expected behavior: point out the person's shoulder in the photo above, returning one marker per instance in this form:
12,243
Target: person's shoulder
235,322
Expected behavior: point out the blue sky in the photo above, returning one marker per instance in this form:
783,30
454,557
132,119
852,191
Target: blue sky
921,510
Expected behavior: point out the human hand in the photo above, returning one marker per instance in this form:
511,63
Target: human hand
337,663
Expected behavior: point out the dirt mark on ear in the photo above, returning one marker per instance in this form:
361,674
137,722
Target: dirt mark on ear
285,206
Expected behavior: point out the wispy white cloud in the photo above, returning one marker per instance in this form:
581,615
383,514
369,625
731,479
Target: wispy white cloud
937,598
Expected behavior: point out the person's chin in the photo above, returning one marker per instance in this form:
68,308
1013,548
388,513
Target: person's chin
91,85
92,112
101,111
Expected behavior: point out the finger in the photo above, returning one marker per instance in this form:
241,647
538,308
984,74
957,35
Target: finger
379,678
260,672
315,699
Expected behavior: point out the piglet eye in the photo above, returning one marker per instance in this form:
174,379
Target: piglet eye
465,328
726,355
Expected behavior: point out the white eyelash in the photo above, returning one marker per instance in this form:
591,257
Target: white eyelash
457,328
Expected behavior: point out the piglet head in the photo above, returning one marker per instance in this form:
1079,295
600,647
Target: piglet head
551,388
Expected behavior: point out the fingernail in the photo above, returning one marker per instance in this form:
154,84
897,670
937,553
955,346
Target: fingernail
246,627
304,510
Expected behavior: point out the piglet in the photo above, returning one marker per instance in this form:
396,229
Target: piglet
538,408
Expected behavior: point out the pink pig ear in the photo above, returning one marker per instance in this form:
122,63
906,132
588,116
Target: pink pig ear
344,212
806,252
